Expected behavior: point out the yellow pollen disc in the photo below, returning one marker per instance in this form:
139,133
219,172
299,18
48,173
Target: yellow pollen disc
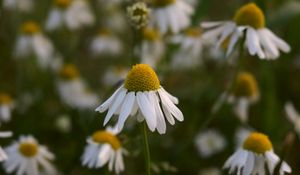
150,34
106,137
28,149
62,3
69,72
193,32
251,15
245,85
258,143
30,27
141,78
5,99
162,3
104,32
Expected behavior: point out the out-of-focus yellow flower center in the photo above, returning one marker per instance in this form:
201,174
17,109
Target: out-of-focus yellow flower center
193,32
142,78
28,149
162,3
106,137
63,3
245,85
258,143
5,99
151,34
69,72
30,28
104,32
251,15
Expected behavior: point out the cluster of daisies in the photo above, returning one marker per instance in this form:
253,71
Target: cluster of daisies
141,95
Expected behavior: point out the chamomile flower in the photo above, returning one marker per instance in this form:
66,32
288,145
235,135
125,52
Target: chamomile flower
244,93
114,75
257,150
151,48
209,143
3,155
138,14
249,21
106,43
190,51
73,14
31,41
142,92
27,157
170,15
104,147
6,106
19,5
293,116
73,90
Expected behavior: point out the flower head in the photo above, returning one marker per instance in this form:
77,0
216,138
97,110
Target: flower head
6,106
139,14
69,72
245,86
62,3
258,143
30,28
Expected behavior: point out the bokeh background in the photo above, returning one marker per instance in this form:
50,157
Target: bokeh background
39,106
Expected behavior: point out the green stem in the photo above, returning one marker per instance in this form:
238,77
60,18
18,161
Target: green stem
146,149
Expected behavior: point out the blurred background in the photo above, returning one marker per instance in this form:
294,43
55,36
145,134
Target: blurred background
63,120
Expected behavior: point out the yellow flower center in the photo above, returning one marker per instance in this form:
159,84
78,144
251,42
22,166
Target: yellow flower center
245,85
30,28
258,143
104,32
28,149
62,3
162,3
106,137
193,32
141,78
69,72
251,15
151,34
5,99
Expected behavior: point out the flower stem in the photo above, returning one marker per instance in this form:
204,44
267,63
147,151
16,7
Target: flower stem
146,149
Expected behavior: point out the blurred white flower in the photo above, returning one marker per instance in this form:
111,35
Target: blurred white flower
106,43
251,158
63,123
241,135
73,14
27,157
3,134
104,147
19,5
249,20
245,92
293,116
170,15
114,75
190,52
151,48
209,143
31,41
73,90
141,92
6,106
210,171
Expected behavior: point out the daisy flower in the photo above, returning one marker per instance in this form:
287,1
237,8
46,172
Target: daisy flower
104,147
191,45
73,14
27,157
19,5
142,92
249,21
170,15
106,43
209,143
6,106
73,90
293,116
3,155
138,14
244,93
151,48
114,75
257,150
32,41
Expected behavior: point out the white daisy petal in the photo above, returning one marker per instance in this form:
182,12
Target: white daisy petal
147,110
126,109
